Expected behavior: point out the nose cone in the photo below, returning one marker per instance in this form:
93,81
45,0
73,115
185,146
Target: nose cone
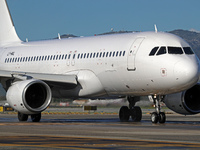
186,73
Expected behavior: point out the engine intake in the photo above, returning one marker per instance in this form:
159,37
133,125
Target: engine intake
186,102
29,96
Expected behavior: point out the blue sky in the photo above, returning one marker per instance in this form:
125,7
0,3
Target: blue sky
43,19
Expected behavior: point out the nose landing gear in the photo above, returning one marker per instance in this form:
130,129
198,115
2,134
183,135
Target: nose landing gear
158,116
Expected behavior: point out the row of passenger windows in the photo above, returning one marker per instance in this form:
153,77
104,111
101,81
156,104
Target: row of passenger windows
170,50
101,54
65,56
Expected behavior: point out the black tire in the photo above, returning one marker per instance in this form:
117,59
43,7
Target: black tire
154,117
162,117
36,117
124,114
136,114
22,117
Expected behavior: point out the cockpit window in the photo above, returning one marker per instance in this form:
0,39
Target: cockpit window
161,51
188,50
153,51
175,50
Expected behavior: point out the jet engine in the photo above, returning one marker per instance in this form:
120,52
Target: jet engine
29,96
186,102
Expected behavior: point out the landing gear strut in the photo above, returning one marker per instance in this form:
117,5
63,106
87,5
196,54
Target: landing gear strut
134,111
158,116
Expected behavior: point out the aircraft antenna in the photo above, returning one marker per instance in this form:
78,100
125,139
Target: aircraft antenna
156,30
59,36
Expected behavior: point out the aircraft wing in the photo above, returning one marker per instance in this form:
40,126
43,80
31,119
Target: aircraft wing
53,80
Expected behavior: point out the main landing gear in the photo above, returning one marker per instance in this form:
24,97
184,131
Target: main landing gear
24,117
134,111
158,116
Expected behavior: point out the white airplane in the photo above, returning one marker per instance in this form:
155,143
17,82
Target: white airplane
155,64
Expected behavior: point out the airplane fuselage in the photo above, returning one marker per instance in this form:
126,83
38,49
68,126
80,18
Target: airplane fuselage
109,65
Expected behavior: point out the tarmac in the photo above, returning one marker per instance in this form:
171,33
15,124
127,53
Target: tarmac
72,128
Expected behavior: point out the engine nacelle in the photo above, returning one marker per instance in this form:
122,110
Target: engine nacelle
186,102
29,96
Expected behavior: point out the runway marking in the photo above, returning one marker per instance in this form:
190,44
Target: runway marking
59,142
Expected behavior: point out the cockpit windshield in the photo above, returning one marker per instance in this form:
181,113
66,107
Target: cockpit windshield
188,50
175,50
171,50
153,51
162,51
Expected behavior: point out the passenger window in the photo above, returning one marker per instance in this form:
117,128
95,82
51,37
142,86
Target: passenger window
117,53
103,54
120,53
188,50
94,55
153,51
81,56
63,56
74,56
124,53
66,56
69,56
84,55
175,50
90,55
97,55
100,54
113,54
78,56
162,51
110,54
107,54
59,57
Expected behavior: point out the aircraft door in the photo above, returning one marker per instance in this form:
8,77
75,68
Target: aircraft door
68,58
132,54
73,58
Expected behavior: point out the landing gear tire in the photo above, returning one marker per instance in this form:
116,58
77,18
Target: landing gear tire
162,117
22,117
124,114
154,117
136,113
36,117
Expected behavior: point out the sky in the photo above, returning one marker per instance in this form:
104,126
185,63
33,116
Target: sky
44,19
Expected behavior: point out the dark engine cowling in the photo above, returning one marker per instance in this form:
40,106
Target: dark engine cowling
29,96
186,102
